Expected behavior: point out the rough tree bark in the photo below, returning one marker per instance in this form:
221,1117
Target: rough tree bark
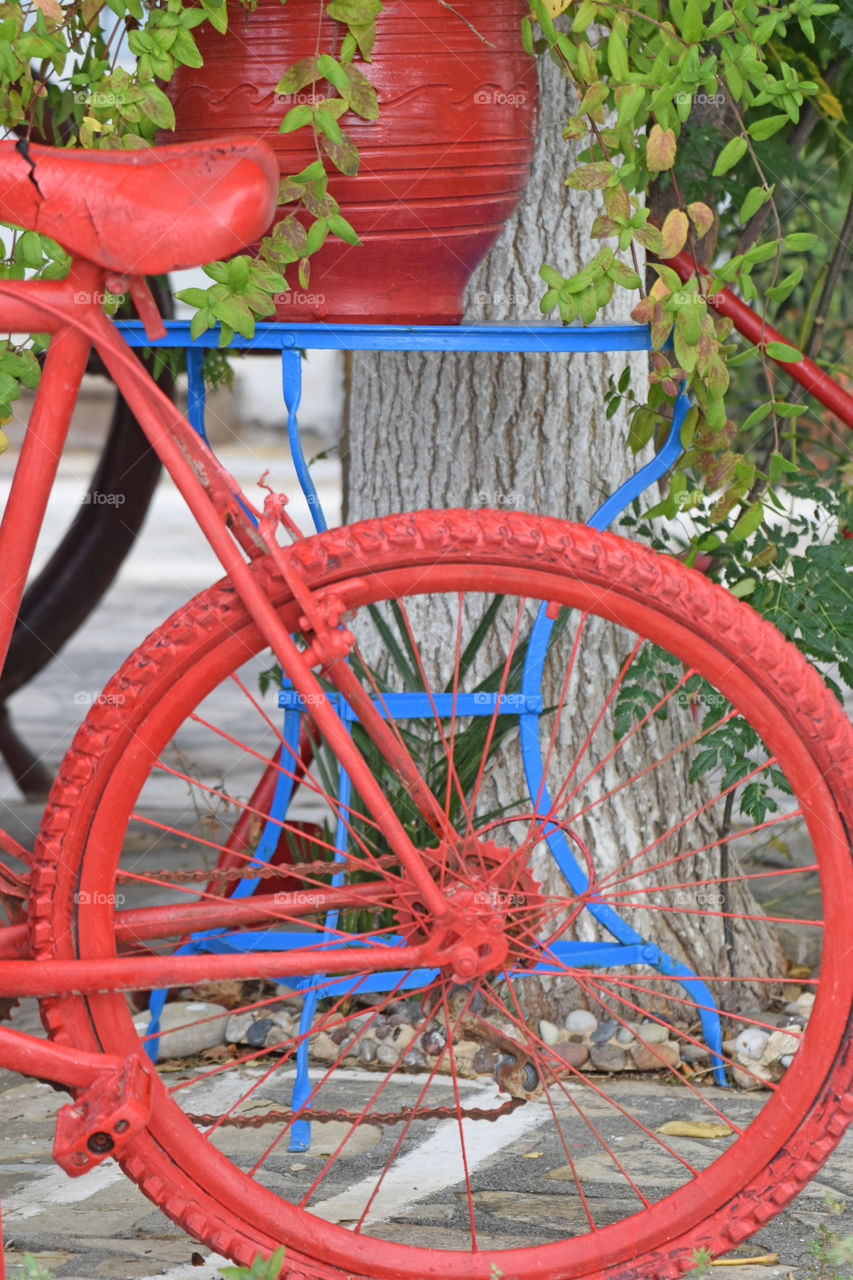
527,433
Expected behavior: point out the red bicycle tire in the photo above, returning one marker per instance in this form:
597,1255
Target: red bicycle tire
552,560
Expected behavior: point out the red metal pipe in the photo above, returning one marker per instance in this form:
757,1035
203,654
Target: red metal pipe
42,978
746,321
179,918
32,1056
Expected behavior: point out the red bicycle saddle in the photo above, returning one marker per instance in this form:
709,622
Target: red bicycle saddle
143,212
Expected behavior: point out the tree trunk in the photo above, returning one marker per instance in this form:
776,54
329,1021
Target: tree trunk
524,432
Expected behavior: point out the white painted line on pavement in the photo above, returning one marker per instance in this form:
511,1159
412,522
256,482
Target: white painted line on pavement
432,1166
57,1188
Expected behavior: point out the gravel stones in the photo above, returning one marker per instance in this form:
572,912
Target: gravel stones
575,1054
655,1056
549,1032
187,1027
608,1057
750,1044
582,1021
653,1032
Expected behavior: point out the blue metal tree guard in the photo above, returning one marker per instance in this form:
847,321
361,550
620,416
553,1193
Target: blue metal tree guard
628,946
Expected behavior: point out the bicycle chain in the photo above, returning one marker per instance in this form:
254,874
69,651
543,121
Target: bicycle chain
511,1076
377,1118
246,872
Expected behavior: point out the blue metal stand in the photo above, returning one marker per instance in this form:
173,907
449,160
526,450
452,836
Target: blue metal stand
628,947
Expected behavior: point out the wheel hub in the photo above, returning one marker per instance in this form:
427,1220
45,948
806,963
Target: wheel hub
495,902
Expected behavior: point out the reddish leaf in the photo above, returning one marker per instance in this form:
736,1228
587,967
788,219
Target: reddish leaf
649,237
674,233
616,202
591,177
701,216
660,149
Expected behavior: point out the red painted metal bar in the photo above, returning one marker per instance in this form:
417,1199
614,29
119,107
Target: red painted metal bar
128,973
179,918
32,1056
38,460
746,321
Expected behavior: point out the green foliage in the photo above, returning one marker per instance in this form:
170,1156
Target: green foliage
60,80
261,1268
828,1256
694,96
33,1270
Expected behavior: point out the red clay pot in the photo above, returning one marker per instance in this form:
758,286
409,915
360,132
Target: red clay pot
441,170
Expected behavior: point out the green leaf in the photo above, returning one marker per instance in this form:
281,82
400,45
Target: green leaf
732,152
584,16
755,198
328,125
785,287
296,77
342,229
193,297
748,523
787,410
780,465
333,71
591,177
617,56
781,351
624,275
200,323
762,129
757,415
316,235
799,240
359,93
157,106
297,118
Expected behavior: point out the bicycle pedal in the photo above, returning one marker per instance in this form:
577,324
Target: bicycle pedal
103,1119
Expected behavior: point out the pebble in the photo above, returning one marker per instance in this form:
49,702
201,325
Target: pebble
604,1031
414,1059
786,1060
571,1052
433,1042
624,1035
548,1031
779,1045
402,1036
483,1061
387,1055
367,1050
608,1057
751,1043
256,1036
756,1078
194,1034
694,1053
237,1026
653,1032
656,1056
277,1036
581,1020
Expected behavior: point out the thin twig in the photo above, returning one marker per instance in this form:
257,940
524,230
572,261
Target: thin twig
817,330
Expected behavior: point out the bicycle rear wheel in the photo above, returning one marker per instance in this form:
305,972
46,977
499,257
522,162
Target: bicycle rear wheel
658,685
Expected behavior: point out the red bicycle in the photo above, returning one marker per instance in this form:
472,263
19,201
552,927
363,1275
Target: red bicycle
434,906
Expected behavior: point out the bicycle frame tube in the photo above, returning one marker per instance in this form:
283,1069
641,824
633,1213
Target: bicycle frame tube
208,491
36,468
